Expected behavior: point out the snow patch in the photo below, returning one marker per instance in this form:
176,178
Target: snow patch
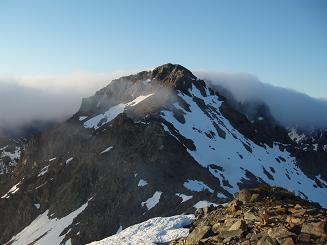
69,160
44,230
106,150
119,229
81,118
138,100
157,230
112,113
43,171
142,183
184,197
203,204
152,201
12,190
196,185
101,119
293,134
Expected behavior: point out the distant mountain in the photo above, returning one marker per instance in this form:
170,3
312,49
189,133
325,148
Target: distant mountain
157,143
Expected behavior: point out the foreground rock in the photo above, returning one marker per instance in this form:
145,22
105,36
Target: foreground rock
262,216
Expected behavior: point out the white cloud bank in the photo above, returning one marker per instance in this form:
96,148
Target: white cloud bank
56,97
289,107
28,98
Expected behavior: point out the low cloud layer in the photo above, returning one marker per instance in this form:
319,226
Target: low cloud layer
289,107
29,98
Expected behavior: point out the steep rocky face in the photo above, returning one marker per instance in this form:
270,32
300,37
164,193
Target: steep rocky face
153,144
262,215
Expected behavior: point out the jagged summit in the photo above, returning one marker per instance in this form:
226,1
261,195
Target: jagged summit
174,76
122,90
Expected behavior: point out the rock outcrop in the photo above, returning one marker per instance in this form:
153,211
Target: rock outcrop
262,216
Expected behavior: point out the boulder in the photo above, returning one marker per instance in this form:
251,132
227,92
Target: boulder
233,206
251,216
231,234
218,227
254,197
197,234
287,241
238,225
317,229
244,195
267,240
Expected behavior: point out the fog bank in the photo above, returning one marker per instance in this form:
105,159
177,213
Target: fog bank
289,107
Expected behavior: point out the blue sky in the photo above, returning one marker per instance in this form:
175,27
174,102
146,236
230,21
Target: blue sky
283,42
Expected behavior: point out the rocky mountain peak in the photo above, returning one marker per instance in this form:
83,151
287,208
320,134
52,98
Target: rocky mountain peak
173,76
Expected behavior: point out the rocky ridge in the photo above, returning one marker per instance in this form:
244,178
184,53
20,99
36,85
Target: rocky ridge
263,216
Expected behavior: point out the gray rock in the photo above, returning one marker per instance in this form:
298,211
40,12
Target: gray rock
238,225
197,234
317,229
251,216
244,195
230,234
267,240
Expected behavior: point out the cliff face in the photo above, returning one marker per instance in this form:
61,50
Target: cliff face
152,144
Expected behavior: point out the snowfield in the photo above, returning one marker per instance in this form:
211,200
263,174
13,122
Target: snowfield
112,113
152,201
12,190
44,230
152,231
234,154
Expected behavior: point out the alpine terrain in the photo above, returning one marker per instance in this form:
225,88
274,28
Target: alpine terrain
160,143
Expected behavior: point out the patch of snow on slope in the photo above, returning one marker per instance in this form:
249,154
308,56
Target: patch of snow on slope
315,147
152,201
203,204
293,134
112,113
81,118
44,231
230,152
106,150
69,160
99,120
13,156
142,183
12,190
184,197
43,171
119,229
153,231
195,185
138,100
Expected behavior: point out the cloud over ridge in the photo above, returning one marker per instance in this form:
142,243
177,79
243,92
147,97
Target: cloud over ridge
50,97
290,107
57,97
